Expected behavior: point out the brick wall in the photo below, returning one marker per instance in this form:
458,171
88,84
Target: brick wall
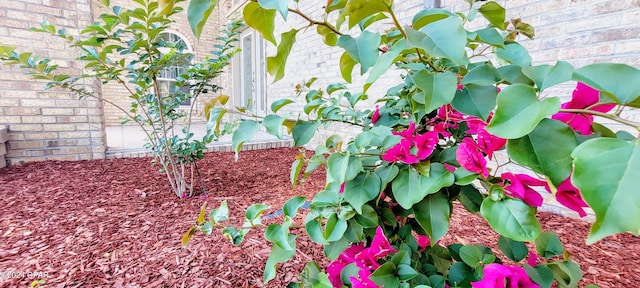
43,124
577,31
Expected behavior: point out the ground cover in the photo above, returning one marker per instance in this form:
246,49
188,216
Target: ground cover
115,223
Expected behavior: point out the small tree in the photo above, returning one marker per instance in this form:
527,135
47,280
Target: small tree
126,47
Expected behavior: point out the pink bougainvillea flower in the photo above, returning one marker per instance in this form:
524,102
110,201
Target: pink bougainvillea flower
363,281
447,113
376,115
449,167
583,97
497,275
401,153
347,257
342,187
520,187
532,259
441,128
569,196
380,245
471,158
407,133
475,124
423,241
489,143
426,143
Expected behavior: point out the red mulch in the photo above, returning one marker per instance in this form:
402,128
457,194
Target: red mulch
115,223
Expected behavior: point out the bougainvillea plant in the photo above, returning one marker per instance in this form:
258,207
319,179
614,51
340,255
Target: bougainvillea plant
451,130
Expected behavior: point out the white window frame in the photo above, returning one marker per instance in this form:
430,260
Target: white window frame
161,80
249,87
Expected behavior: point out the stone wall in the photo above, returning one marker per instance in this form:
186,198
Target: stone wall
49,124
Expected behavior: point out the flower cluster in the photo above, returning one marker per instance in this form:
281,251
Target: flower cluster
366,259
412,147
498,275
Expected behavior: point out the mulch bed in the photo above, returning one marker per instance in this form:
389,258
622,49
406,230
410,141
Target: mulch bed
115,223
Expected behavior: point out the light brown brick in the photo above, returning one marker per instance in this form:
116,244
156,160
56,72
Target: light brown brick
59,127
22,111
38,119
41,136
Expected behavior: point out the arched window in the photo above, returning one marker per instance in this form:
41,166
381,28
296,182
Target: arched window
167,77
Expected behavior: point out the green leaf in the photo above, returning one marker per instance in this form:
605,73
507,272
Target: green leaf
511,218
273,124
546,76
245,132
513,74
540,274
433,215
620,80
607,172
546,150
276,105
276,64
234,234
428,16
358,10
494,13
460,275
278,235
219,214
470,198
346,66
198,13
438,88
334,228
387,174
165,6
362,189
519,111
341,167
385,276
514,250
548,245
445,38
334,249
329,37
471,255
483,75
293,205
281,5
363,50
254,211
260,19
490,36
335,87
278,255
515,54
303,131
368,218
476,100
296,167
410,187
566,273
384,62
406,273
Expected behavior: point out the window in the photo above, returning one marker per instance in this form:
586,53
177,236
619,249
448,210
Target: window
249,73
167,76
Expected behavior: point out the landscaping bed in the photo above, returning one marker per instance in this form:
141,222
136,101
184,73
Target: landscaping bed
115,223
